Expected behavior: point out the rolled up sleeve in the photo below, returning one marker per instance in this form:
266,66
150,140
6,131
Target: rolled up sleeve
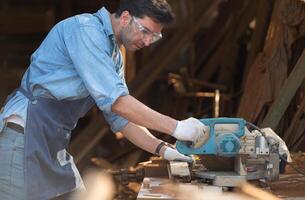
90,50
115,121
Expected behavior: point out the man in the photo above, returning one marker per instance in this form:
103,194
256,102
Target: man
79,64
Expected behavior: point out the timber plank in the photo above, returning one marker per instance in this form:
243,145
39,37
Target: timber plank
269,72
286,94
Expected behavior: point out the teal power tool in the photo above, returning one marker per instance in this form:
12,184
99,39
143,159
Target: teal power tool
220,142
255,153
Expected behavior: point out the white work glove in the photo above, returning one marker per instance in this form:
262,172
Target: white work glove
173,154
190,129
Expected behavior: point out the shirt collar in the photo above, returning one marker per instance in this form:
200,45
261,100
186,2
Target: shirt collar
104,15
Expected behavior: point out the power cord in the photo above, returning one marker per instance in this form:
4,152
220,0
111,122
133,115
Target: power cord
294,167
256,128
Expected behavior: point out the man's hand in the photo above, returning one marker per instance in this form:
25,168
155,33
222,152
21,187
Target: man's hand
190,129
173,154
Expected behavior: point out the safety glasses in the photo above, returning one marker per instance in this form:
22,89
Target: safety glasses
146,32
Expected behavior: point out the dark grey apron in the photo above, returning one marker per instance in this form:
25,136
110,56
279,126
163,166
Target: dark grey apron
48,131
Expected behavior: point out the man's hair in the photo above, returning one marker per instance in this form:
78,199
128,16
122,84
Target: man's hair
158,10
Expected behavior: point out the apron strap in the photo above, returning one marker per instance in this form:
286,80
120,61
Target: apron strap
27,94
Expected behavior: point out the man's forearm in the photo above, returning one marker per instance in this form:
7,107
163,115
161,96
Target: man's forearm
141,137
136,112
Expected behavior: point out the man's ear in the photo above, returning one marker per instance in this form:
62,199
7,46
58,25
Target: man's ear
125,18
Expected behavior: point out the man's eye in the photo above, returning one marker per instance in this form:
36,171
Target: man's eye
146,32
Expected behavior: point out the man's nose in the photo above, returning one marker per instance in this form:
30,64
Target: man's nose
147,40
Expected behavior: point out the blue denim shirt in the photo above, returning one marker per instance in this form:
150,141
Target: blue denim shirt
79,57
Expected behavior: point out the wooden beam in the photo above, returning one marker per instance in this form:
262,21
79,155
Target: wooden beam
300,132
197,82
214,38
228,66
270,70
286,93
263,17
234,20
290,135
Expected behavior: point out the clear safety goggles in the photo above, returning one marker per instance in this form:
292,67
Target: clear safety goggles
146,32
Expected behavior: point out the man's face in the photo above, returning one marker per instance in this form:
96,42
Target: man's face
140,32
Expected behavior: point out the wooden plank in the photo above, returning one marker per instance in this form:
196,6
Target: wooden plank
286,94
179,169
257,193
214,38
234,20
223,63
229,56
300,137
269,71
290,135
263,17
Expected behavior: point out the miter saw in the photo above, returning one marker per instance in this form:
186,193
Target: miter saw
255,154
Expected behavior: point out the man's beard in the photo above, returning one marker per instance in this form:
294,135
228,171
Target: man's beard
125,40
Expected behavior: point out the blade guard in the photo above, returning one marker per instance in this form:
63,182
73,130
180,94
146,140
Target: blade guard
210,147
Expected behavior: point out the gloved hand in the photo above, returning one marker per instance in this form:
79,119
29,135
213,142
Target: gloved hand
190,129
173,154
